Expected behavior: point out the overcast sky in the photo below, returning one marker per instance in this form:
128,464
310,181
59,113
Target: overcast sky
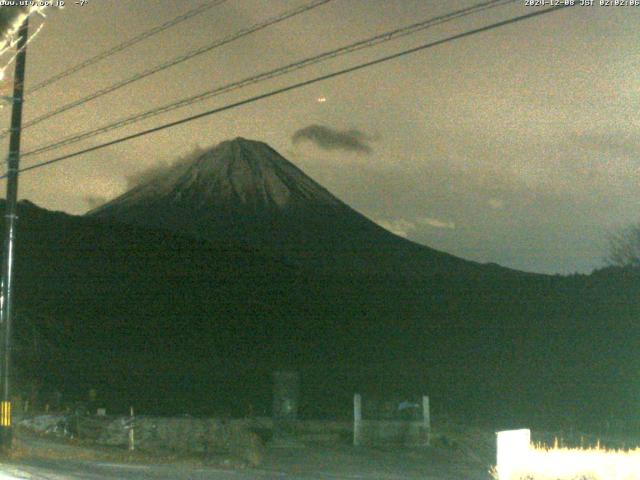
517,146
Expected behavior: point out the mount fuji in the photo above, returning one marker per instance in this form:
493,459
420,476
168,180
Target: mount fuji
244,191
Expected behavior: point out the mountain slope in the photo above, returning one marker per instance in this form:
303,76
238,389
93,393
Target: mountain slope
245,191
238,176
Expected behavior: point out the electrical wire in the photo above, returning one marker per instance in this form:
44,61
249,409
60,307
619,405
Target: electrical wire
296,86
175,61
123,46
359,45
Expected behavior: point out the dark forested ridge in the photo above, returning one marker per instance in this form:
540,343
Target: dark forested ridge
171,323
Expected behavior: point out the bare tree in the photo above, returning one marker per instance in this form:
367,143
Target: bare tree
624,247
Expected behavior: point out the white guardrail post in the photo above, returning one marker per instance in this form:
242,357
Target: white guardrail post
357,419
132,437
426,418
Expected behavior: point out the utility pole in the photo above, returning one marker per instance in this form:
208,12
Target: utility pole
6,301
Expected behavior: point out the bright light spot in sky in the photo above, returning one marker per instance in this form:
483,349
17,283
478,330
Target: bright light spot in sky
8,39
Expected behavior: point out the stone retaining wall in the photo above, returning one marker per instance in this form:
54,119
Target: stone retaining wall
182,435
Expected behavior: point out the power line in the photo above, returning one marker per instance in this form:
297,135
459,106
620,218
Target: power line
175,61
123,46
295,86
367,43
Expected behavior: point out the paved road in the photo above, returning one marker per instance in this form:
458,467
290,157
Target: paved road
65,470
75,470
302,465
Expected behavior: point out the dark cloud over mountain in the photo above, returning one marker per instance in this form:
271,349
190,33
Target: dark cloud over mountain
327,138
156,170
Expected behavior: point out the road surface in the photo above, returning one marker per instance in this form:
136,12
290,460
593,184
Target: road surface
306,463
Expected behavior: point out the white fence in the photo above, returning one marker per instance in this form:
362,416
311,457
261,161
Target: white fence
413,431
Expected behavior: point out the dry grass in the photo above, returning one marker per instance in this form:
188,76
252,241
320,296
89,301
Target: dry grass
26,445
553,463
